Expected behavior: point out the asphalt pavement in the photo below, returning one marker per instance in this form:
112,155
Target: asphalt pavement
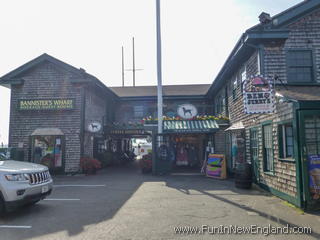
122,203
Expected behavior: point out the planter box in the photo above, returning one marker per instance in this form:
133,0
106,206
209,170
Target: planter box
223,122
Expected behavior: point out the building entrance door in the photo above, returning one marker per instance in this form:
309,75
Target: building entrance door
309,132
49,150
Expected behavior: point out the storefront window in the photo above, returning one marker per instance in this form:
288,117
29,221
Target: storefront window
268,148
312,132
48,151
286,141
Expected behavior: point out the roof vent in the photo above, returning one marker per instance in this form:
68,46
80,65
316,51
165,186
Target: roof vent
82,70
264,18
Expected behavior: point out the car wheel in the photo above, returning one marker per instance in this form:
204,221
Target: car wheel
1,206
32,203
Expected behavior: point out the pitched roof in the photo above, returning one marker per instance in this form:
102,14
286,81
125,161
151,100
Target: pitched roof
168,90
289,14
34,62
252,36
81,75
299,93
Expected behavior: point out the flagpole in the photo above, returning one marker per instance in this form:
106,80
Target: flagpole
159,68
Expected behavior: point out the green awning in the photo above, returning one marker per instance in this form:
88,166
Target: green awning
190,126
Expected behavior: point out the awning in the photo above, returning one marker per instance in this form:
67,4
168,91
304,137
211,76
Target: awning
190,126
47,132
235,126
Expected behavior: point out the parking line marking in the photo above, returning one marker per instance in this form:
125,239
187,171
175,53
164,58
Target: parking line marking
62,199
15,226
75,185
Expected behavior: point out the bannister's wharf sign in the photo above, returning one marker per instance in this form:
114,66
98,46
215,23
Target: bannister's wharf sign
46,104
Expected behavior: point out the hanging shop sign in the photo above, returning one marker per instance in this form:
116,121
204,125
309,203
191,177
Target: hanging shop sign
258,95
46,104
314,176
187,111
216,166
94,127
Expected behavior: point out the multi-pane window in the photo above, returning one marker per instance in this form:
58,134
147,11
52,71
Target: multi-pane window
226,102
300,66
234,88
243,77
138,111
312,134
254,144
219,105
267,148
286,141
254,147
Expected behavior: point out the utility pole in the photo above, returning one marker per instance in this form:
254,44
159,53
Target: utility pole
159,67
122,67
133,65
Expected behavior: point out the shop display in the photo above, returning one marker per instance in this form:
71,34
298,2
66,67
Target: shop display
48,151
314,173
182,156
216,166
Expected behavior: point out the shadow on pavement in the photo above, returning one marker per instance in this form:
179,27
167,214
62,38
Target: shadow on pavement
70,218
213,184
100,204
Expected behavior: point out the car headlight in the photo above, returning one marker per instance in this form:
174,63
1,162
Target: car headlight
17,177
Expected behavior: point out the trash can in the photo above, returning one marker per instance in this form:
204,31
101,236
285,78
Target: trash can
243,175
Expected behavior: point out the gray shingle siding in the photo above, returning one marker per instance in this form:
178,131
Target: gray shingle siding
41,82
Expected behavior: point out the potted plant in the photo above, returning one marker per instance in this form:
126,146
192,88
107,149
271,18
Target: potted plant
89,165
146,163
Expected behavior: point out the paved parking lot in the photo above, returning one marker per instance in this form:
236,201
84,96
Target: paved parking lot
124,204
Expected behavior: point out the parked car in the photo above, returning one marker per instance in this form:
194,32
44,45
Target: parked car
2,156
22,183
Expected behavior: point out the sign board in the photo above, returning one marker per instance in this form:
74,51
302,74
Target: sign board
258,95
94,127
127,132
216,166
187,111
46,104
314,176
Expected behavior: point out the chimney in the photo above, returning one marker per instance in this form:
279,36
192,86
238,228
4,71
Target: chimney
264,18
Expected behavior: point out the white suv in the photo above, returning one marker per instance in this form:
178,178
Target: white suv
22,183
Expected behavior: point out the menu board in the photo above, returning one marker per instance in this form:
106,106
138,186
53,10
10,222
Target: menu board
216,166
314,176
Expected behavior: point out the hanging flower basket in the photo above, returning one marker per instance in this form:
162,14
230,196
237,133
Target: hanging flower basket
151,120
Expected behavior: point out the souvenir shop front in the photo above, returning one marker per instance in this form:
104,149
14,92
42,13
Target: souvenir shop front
185,145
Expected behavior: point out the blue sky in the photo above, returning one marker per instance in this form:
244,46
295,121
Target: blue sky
197,36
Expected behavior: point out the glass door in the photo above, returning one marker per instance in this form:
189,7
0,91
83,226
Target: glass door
48,150
310,156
